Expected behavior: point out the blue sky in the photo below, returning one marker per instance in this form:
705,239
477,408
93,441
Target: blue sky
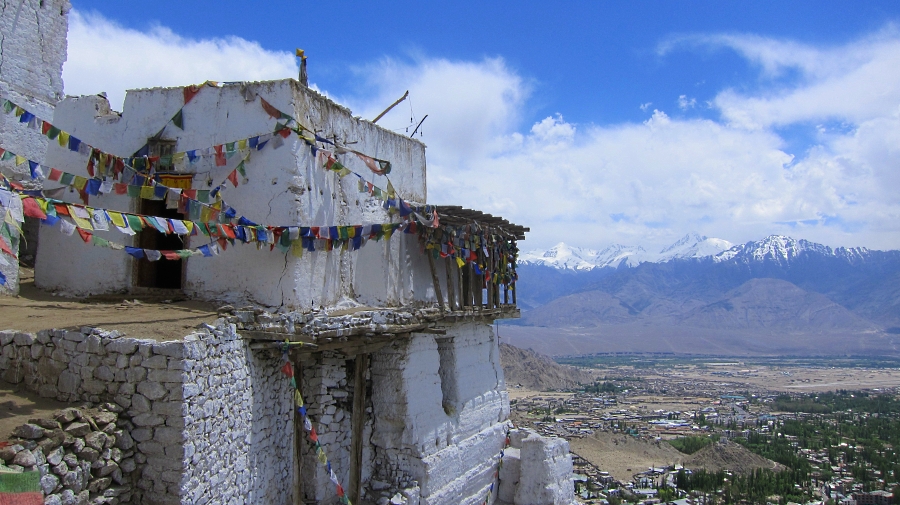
592,122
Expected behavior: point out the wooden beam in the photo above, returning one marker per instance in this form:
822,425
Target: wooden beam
357,424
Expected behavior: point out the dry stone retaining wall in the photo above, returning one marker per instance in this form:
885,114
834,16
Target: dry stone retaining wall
83,456
202,413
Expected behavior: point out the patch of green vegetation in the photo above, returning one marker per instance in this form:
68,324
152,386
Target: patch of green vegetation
690,445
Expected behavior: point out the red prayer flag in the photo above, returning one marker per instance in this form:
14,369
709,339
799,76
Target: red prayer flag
85,235
45,127
284,132
233,177
270,110
5,247
287,369
220,156
31,208
313,435
190,92
170,255
55,174
120,188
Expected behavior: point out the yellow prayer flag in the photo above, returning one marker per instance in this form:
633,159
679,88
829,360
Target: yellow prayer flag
189,225
298,399
242,144
63,139
390,190
459,262
204,214
322,458
147,192
20,160
178,158
79,182
297,248
84,224
116,218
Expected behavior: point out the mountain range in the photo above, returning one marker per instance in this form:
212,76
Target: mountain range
702,295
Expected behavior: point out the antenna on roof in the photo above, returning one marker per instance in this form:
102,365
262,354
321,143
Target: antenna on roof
391,107
304,79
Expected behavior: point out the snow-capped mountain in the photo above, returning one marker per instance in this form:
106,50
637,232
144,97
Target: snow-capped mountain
783,250
693,245
565,257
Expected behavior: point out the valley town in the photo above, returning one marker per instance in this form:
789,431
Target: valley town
651,429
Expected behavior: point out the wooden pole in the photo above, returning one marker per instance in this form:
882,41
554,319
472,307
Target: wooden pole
358,422
437,283
392,106
451,292
298,442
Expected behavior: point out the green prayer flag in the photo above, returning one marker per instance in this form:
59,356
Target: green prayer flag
178,119
184,253
66,179
241,170
134,191
134,222
53,132
25,482
165,160
203,196
7,106
7,156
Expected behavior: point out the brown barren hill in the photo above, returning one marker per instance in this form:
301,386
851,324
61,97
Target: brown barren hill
729,456
538,371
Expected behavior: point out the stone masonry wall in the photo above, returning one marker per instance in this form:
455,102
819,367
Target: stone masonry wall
326,384
205,410
239,423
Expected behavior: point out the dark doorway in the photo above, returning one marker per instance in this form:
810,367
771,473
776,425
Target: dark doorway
166,274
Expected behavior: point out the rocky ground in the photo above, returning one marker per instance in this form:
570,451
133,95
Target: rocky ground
729,456
82,455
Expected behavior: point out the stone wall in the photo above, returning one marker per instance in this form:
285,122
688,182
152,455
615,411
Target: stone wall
32,52
201,412
82,456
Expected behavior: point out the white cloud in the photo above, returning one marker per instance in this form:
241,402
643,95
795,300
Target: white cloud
647,183
104,56
856,81
685,103
635,183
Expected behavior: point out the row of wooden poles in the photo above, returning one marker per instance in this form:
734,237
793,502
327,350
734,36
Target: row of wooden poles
466,287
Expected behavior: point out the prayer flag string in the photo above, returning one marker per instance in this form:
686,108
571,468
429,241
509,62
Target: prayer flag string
288,370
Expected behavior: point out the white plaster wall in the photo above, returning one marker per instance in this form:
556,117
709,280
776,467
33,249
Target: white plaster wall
286,187
450,450
66,263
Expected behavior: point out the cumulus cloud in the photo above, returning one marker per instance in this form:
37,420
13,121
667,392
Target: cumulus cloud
856,81
649,182
634,182
104,56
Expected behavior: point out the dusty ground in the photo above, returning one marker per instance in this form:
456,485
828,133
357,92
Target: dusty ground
35,310
18,406
795,378
623,455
